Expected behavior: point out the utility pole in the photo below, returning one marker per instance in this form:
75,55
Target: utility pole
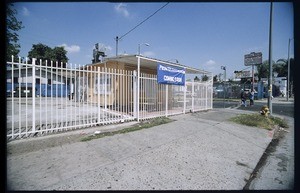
288,76
270,63
117,41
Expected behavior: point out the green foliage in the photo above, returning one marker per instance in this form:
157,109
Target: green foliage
263,69
215,78
142,125
257,120
44,52
12,38
204,78
281,67
278,121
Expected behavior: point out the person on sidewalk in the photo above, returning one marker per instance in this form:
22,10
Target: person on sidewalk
243,98
251,97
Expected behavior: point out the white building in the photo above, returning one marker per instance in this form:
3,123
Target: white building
279,81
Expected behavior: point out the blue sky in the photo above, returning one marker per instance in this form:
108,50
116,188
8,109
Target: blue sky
201,35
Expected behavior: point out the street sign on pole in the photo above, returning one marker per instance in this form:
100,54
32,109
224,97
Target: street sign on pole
253,59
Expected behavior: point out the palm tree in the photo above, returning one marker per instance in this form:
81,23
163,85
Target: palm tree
281,68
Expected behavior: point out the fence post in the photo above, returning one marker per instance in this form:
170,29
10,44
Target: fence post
98,93
193,95
105,87
167,88
134,95
12,97
33,94
206,88
184,98
138,89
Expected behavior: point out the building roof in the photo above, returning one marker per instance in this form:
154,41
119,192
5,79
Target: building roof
151,63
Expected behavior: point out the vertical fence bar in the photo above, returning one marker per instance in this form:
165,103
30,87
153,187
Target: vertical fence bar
206,88
40,93
68,96
184,98
135,94
105,88
61,96
112,91
56,95
98,93
12,97
87,94
167,92
75,94
193,93
46,94
20,112
138,89
33,94
84,96
26,96
51,95
71,91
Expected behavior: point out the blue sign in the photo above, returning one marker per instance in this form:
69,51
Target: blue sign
170,75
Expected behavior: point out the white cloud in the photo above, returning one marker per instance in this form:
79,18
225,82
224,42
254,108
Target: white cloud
211,66
72,48
122,9
209,63
25,11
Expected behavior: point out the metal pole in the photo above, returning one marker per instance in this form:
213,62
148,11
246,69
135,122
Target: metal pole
288,77
117,41
138,89
270,63
225,73
139,50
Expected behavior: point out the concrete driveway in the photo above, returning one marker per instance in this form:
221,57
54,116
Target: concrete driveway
198,151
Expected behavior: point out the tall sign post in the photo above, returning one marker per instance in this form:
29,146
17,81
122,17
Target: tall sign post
270,63
253,59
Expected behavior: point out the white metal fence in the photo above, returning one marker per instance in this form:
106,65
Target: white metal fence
46,98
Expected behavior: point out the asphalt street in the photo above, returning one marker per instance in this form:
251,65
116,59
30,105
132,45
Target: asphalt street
279,106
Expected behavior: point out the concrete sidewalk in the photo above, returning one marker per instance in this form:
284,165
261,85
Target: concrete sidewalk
198,151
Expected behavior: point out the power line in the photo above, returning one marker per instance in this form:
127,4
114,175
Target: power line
143,21
119,38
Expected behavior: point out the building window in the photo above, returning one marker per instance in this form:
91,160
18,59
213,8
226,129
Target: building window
49,81
37,81
16,79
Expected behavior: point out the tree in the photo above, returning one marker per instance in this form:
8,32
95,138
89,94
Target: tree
281,67
12,27
204,78
59,54
44,52
196,79
215,79
40,51
263,69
